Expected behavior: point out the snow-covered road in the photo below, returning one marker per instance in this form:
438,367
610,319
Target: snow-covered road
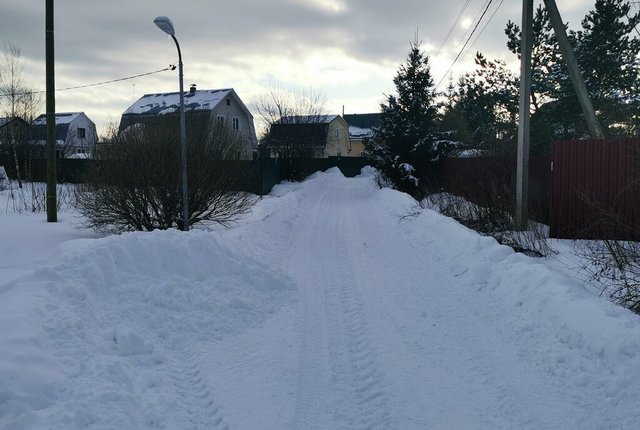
328,309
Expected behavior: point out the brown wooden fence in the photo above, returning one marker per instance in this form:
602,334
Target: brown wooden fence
596,189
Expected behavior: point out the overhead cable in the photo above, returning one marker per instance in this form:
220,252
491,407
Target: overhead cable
171,67
488,3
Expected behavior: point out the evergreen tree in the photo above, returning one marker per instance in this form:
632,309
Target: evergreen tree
407,141
608,58
488,102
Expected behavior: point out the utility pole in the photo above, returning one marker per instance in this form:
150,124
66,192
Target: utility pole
52,210
574,71
522,171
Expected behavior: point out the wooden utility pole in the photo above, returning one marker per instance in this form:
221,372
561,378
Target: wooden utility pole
574,71
522,172
52,210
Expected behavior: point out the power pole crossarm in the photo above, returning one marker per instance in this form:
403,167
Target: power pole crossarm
574,71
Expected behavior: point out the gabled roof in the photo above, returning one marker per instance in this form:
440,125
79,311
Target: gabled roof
363,120
8,120
362,125
312,134
308,119
162,103
61,118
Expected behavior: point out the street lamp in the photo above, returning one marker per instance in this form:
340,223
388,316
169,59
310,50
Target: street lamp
165,24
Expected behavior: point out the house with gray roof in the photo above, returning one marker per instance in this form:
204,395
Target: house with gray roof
321,136
224,106
361,126
76,134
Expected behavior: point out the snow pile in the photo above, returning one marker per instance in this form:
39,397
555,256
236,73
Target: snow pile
95,334
327,308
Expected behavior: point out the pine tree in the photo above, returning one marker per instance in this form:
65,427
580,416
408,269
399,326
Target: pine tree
488,101
407,141
608,58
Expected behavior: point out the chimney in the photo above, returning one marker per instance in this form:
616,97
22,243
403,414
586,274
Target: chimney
192,89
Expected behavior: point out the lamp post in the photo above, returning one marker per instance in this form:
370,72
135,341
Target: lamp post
165,24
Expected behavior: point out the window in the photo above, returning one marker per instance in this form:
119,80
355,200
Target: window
228,102
81,133
220,120
236,124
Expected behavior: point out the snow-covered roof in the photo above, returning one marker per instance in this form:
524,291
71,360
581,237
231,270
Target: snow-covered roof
61,118
309,119
359,133
163,103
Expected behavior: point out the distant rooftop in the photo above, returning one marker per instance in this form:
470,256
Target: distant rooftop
308,119
163,103
61,118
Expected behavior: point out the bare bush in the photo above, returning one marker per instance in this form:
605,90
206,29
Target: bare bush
32,197
136,182
3,179
493,219
294,129
614,265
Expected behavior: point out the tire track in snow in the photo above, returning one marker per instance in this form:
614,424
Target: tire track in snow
311,393
339,373
367,378
194,397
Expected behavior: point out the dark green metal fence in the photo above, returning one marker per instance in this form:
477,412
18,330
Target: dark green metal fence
256,176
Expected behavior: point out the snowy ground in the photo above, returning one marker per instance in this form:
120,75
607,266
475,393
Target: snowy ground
323,310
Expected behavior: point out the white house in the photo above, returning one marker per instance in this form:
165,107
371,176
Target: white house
224,104
76,134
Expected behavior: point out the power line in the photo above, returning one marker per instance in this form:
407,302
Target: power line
487,4
487,23
455,23
171,67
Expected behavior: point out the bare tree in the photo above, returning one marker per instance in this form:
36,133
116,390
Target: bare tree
135,183
294,128
17,100
281,105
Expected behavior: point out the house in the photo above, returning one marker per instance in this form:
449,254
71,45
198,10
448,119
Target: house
224,105
321,136
76,134
361,126
12,130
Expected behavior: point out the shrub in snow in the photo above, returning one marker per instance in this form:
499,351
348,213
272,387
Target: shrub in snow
615,266
137,183
3,179
493,218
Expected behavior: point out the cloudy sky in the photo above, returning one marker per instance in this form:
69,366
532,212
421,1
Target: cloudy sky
347,50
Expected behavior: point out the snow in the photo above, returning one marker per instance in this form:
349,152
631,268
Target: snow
306,119
358,132
61,118
326,308
169,102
